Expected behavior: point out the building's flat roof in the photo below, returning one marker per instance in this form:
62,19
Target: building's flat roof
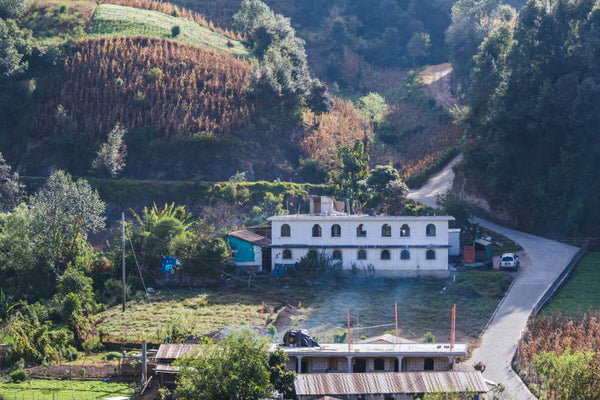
376,349
361,217
336,384
168,351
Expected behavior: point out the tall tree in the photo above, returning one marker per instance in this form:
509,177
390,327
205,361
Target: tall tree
111,155
66,211
15,46
11,190
234,368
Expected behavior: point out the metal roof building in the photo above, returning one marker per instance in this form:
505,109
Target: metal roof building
378,385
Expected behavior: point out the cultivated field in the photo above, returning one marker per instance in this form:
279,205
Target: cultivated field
319,306
42,389
116,20
580,293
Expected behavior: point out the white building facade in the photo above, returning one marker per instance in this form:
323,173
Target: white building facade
381,243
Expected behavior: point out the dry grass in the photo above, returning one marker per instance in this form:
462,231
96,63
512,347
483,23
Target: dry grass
322,304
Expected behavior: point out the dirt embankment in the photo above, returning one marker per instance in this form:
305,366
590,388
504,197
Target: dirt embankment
438,79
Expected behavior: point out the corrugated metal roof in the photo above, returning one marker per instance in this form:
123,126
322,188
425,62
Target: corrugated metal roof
336,384
251,237
166,368
175,351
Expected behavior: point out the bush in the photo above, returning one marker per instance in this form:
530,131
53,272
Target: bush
18,375
175,30
93,346
429,338
111,356
71,354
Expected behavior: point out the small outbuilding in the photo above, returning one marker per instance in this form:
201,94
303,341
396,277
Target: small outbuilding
251,252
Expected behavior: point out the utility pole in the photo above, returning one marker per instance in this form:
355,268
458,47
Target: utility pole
144,364
123,267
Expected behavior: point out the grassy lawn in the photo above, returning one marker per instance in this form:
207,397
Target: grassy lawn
320,306
41,389
580,293
114,20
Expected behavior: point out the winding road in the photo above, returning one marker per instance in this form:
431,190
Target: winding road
544,261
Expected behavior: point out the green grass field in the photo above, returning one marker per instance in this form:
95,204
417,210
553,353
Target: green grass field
321,306
581,292
114,20
41,389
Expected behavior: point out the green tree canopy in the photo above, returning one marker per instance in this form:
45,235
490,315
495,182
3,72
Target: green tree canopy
11,191
12,8
15,46
234,368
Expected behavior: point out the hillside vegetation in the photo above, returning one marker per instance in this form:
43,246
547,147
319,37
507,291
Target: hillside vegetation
116,20
141,82
533,118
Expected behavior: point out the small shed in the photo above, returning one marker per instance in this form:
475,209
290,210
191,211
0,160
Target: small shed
454,241
165,356
250,251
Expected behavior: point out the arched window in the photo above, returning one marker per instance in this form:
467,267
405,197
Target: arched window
386,230
430,230
287,254
385,254
316,230
405,231
362,254
405,255
360,231
336,230
430,255
337,255
286,231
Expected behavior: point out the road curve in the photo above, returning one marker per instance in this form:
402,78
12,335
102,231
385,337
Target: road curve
547,259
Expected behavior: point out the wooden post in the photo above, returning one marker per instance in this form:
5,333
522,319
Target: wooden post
396,307
348,311
453,329
262,318
123,260
250,319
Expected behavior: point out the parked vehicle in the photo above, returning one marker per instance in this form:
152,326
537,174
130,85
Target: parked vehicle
478,255
509,261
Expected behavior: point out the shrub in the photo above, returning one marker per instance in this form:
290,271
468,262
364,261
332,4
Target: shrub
111,356
175,30
71,354
155,73
93,346
175,12
428,338
18,375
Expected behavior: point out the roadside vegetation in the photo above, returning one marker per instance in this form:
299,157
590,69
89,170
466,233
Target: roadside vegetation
580,293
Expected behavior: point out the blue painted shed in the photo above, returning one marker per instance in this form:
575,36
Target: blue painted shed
250,250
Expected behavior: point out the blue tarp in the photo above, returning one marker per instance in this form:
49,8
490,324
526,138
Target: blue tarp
168,263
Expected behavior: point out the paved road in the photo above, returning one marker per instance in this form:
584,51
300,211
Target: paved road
545,260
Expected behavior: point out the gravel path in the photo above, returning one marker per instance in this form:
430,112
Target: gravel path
547,259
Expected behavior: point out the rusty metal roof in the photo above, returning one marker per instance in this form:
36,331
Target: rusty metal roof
175,351
336,384
251,237
166,368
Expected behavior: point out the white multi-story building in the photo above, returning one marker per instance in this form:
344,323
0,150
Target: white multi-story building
382,243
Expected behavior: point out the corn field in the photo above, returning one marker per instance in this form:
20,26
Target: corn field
175,88
555,334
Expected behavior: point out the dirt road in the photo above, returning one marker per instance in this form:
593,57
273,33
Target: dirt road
548,259
438,78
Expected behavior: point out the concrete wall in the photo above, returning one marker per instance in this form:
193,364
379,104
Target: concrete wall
245,254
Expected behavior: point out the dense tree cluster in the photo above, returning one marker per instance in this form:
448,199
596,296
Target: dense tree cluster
281,77
534,113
